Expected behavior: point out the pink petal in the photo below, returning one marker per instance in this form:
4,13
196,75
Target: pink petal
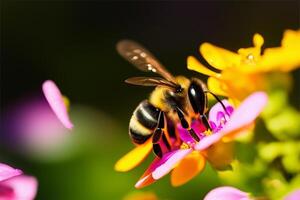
226,193
23,187
163,166
8,172
141,181
185,136
146,178
213,113
295,195
170,163
56,102
207,141
246,113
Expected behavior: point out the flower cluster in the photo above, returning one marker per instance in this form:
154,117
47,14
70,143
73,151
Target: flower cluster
275,151
246,77
247,70
188,158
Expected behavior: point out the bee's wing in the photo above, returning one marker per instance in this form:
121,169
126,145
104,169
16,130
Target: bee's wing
142,58
151,81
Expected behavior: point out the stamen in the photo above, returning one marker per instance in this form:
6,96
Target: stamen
208,132
184,146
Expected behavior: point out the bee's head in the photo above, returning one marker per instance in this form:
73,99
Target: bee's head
197,96
183,84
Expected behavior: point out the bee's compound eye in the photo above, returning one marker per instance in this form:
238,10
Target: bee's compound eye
197,97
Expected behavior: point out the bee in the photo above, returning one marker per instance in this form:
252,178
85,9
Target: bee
175,99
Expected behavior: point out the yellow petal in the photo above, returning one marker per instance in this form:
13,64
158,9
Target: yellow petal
281,59
188,168
220,155
194,64
250,57
291,38
218,57
216,86
258,40
134,157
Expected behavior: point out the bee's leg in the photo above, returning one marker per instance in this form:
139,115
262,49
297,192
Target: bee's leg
186,125
205,122
218,99
158,134
157,150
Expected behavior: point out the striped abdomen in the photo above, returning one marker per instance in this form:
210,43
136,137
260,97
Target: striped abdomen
143,122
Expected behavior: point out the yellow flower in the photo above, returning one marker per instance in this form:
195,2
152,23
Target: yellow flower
134,157
244,72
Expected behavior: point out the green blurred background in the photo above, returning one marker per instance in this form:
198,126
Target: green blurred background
73,43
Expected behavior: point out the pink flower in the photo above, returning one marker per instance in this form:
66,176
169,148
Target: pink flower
226,193
16,186
295,195
7,172
189,159
37,125
56,102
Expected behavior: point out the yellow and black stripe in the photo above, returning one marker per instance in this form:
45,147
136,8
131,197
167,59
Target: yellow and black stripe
143,122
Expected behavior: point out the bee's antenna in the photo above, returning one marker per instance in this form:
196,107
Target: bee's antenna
219,100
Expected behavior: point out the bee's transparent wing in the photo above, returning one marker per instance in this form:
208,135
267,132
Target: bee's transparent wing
142,58
151,81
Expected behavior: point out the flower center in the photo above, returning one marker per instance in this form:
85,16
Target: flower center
184,146
208,132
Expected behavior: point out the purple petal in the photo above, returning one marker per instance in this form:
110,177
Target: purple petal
226,193
217,112
56,102
207,141
184,134
22,187
169,162
8,172
186,137
295,195
242,116
246,113
158,162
